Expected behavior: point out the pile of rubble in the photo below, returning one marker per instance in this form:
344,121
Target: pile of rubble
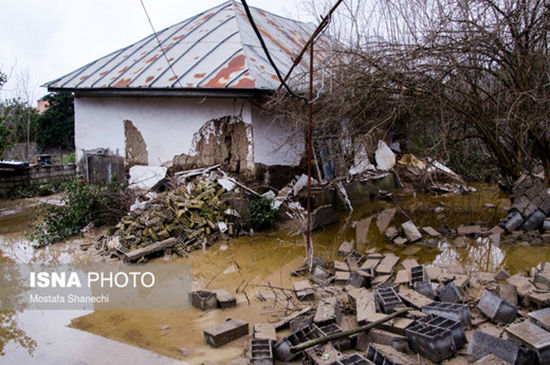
191,216
530,205
363,310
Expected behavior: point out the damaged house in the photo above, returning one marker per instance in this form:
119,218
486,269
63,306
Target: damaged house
193,97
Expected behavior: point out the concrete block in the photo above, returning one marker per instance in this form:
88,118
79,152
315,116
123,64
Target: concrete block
431,232
225,300
345,248
512,222
341,277
281,350
360,278
496,308
411,231
328,310
425,288
340,266
203,299
434,343
261,352
534,221
387,265
450,293
508,292
457,331
225,332
534,337
454,311
482,344
390,233
264,331
323,355
366,309
304,290
387,299
413,298
541,317
523,285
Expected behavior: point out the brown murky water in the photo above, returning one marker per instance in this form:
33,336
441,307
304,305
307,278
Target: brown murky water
269,258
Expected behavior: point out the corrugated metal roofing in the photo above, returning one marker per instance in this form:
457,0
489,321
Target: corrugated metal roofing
214,49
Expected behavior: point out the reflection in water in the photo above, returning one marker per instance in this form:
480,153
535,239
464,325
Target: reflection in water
479,256
11,297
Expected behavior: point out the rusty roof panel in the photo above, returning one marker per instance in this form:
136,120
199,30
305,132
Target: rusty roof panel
214,49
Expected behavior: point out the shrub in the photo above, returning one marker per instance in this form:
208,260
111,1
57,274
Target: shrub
83,203
262,215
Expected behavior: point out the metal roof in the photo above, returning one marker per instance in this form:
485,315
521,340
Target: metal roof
216,49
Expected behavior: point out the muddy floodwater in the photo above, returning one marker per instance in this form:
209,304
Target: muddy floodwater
249,262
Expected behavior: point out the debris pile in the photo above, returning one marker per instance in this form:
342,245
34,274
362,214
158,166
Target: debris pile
417,314
193,215
530,206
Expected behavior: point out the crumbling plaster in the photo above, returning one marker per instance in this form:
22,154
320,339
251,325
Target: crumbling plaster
168,125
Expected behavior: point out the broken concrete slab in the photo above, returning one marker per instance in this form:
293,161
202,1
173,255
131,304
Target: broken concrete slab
384,218
323,354
301,322
522,284
400,241
284,322
366,309
265,331
473,230
341,277
382,354
340,266
391,233
380,279
225,300
384,157
502,274
491,360
225,332
402,277
328,310
387,265
426,288
345,248
360,278
482,344
540,298
433,272
508,292
409,264
532,336
411,231
496,308
431,232
381,337
362,230
414,298
304,290
371,263
541,317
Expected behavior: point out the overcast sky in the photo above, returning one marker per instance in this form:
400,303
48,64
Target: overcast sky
41,40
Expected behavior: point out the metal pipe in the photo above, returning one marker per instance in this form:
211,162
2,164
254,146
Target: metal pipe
309,245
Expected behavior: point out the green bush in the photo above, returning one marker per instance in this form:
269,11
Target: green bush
262,215
83,203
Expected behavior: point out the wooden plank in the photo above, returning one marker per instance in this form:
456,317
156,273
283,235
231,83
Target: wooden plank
225,332
152,248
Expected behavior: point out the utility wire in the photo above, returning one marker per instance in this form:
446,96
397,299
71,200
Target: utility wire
260,38
159,43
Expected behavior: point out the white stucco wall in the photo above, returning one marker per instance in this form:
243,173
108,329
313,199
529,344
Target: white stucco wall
168,124
273,143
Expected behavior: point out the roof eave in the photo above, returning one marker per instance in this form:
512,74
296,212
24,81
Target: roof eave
166,92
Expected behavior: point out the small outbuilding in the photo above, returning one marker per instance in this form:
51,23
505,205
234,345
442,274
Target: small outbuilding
190,95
